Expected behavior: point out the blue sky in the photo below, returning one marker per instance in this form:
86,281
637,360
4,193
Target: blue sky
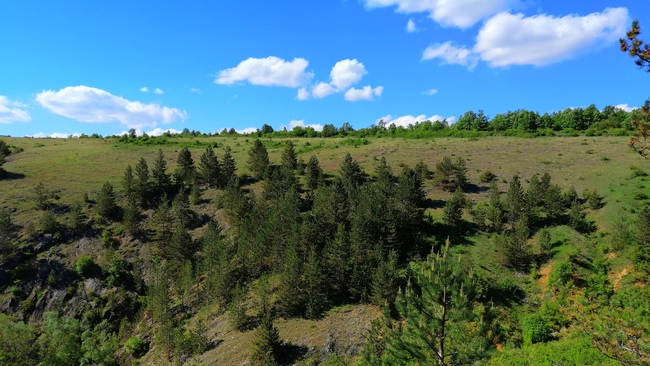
70,67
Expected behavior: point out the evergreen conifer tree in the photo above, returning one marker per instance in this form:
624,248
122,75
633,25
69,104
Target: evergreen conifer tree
258,159
209,168
159,176
228,169
267,343
289,158
141,183
107,201
128,183
313,173
316,300
185,170
453,211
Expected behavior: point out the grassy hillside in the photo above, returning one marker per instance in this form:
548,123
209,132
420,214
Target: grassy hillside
73,168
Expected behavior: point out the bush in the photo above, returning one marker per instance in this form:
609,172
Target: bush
561,273
136,347
535,329
487,177
84,266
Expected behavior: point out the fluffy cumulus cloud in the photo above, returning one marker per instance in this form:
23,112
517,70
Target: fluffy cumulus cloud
11,111
321,90
625,107
451,54
158,91
144,89
457,13
513,39
343,75
247,131
269,71
366,93
430,92
405,121
301,123
346,73
92,105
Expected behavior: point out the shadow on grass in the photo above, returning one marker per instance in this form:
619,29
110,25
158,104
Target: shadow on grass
11,176
291,353
475,188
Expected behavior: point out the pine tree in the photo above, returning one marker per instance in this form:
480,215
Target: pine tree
209,168
350,173
449,175
77,219
337,263
453,211
107,201
128,183
495,211
554,202
267,343
289,158
141,183
516,251
42,196
384,282
131,219
160,177
316,300
642,226
185,170
258,159
515,201
545,245
313,173
290,299
8,233
228,169
440,321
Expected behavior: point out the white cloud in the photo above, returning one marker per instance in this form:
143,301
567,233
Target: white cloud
269,71
625,107
247,131
346,73
321,90
367,93
92,105
144,89
451,54
405,121
458,13
513,39
303,94
158,91
411,27
301,123
55,135
159,131
11,111
195,90
430,92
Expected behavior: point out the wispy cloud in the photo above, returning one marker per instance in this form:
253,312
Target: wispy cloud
11,111
430,92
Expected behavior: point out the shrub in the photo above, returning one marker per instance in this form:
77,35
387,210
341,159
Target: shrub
84,266
535,329
487,177
561,273
136,346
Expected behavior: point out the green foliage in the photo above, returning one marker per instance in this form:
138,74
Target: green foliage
561,274
440,322
313,173
209,169
49,224
514,246
258,159
450,176
267,343
535,329
17,342
487,176
289,158
185,172
453,211
42,196
228,169
60,341
107,202
136,347
8,233
161,181
141,183
77,219
84,266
